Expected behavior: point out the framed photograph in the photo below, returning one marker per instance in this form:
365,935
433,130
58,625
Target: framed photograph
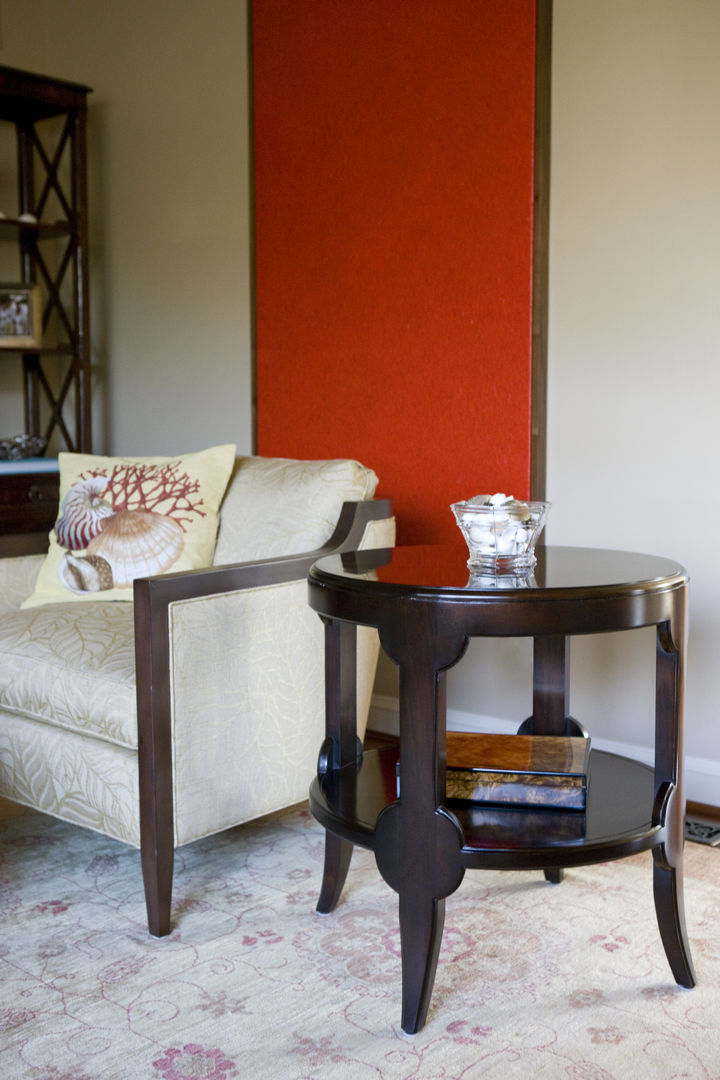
20,317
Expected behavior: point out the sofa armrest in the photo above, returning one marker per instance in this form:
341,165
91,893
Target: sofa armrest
153,595
154,599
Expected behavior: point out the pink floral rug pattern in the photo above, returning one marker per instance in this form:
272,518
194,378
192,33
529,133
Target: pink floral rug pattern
534,980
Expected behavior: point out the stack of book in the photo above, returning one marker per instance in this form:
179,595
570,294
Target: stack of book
517,770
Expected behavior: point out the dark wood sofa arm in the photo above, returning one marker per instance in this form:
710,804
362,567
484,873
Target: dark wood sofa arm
152,599
167,589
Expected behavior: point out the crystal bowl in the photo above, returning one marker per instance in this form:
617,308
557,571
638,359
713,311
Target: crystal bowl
501,532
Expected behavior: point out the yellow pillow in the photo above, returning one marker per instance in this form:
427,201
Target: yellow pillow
123,518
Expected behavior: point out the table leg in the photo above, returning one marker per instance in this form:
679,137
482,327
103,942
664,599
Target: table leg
551,702
421,926
418,842
341,746
551,684
421,862
551,689
338,853
669,808
670,911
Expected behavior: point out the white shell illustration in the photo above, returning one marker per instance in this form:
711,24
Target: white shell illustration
83,512
137,543
85,573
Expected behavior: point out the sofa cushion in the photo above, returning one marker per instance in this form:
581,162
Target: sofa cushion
73,667
279,506
88,781
124,518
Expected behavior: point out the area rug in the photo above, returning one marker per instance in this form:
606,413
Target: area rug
534,980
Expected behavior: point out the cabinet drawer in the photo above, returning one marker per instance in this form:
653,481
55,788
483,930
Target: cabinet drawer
28,502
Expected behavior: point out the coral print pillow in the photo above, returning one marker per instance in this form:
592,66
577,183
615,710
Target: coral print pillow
124,518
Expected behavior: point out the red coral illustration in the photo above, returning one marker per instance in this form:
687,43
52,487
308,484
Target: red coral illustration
163,489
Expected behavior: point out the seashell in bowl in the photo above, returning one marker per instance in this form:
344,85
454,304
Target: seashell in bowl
137,543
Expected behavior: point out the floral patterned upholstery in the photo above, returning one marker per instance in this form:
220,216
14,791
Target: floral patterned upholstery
246,673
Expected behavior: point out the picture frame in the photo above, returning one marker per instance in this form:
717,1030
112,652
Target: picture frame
20,316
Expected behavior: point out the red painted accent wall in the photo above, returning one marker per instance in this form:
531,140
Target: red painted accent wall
393,194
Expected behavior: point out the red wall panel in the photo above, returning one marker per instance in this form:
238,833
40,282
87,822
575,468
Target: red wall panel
393,230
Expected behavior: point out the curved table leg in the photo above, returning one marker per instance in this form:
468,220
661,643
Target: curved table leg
341,745
670,911
338,853
421,927
420,860
669,809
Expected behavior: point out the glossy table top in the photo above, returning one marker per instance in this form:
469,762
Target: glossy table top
443,570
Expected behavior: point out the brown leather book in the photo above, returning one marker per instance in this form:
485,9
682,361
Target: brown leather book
522,770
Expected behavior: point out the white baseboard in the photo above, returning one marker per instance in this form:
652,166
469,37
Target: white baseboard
702,776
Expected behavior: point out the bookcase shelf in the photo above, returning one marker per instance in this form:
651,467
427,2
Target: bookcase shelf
49,120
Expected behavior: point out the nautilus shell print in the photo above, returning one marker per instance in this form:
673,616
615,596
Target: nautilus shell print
82,513
137,543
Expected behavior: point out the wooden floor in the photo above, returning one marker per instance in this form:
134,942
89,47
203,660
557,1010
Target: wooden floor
702,812
375,740
9,809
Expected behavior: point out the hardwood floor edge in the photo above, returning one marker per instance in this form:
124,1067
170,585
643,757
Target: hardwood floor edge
702,810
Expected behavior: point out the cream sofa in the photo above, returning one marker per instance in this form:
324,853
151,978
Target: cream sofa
200,705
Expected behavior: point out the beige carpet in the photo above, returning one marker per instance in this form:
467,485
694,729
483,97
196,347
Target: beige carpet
534,980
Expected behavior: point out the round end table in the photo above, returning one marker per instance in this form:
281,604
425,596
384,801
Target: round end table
426,604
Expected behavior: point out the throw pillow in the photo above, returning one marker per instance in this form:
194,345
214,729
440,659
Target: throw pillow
122,518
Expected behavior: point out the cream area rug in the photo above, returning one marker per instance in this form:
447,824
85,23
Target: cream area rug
534,980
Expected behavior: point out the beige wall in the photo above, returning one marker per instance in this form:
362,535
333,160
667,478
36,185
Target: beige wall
634,387
169,165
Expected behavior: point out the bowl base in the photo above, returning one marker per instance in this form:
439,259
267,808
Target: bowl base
503,564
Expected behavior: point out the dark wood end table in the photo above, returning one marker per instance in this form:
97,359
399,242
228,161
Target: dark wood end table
426,605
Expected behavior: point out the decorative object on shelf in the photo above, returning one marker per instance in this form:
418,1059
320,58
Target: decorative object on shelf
536,825
523,770
19,447
20,317
500,531
535,772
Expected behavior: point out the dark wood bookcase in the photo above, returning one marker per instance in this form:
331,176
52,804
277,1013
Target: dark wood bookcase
50,234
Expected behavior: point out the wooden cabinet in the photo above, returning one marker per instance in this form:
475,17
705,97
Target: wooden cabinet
28,505
48,231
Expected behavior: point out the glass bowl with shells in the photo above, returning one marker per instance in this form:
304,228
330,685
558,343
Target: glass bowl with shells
500,531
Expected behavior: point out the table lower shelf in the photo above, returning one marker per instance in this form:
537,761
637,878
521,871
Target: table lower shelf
616,822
